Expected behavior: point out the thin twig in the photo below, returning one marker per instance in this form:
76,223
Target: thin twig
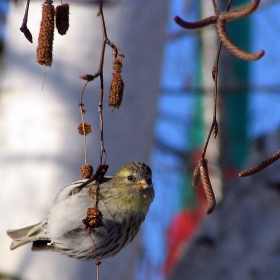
215,74
82,112
201,168
100,71
85,137
97,262
215,71
102,168
261,166
216,9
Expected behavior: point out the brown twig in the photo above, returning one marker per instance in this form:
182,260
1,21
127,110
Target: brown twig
99,73
100,172
94,216
215,74
97,262
261,166
201,171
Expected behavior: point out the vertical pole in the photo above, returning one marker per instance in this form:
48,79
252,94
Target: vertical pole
233,81
208,50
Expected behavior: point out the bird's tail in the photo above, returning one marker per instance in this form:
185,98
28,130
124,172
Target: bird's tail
25,235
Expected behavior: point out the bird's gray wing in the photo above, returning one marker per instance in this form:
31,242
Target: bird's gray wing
73,188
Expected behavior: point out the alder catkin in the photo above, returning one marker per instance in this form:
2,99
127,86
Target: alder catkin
116,92
206,183
117,66
196,176
45,40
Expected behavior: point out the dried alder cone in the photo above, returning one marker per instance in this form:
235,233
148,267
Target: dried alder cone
62,18
117,85
45,40
93,219
86,171
84,128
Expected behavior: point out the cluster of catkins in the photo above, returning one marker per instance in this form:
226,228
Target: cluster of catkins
51,16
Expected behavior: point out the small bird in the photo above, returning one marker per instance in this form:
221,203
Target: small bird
123,200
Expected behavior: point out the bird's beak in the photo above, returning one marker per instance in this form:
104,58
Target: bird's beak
142,185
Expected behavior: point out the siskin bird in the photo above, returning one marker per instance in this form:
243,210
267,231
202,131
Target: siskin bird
124,201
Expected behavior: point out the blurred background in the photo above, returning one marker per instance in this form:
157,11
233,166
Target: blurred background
164,120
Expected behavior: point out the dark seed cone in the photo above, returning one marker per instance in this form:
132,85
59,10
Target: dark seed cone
87,77
93,219
27,33
86,171
45,40
62,18
116,92
84,129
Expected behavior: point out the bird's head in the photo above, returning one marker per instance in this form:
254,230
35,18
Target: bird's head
134,183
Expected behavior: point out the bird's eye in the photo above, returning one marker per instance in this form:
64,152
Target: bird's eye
130,178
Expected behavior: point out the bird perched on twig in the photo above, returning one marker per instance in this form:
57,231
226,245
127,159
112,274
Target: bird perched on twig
123,201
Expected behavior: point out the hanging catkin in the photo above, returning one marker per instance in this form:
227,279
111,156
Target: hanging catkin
45,40
62,18
117,85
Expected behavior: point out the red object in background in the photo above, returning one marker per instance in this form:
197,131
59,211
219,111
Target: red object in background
184,225
232,174
181,229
